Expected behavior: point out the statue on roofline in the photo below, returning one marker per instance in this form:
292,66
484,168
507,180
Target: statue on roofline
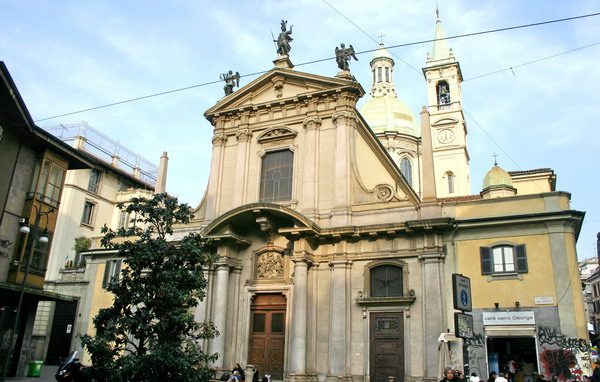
343,55
231,80
284,39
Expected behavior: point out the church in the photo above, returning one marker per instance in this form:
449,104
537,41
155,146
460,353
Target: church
338,232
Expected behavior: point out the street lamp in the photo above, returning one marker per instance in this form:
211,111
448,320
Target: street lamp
24,229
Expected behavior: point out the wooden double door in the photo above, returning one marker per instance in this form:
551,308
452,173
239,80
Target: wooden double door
267,334
386,346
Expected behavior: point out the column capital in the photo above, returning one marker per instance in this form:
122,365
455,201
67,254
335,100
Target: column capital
312,122
244,135
342,116
219,139
340,263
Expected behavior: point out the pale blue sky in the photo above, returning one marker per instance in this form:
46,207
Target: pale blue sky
71,55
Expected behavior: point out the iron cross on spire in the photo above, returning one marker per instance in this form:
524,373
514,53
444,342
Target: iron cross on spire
495,161
381,36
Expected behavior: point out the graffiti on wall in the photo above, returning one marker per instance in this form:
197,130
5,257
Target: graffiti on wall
561,354
560,362
551,336
477,362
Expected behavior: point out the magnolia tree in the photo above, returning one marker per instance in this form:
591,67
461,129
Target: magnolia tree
150,333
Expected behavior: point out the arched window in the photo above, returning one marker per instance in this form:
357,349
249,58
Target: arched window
406,169
379,75
450,178
387,74
443,93
386,281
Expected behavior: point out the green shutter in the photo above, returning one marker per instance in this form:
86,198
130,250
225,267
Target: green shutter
521,259
486,260
106,274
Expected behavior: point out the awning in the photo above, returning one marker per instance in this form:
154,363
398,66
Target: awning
10,294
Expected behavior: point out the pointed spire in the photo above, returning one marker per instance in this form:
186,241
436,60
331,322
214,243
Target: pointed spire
441,51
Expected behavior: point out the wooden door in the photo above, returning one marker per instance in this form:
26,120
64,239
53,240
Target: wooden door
61,334
267,334
386,347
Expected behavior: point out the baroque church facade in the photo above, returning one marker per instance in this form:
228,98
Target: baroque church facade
338,232
326,221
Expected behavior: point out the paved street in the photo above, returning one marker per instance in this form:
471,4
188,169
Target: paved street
47,375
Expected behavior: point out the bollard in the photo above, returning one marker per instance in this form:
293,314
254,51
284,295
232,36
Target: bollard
249,373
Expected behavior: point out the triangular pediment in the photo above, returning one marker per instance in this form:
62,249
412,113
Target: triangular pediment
280,86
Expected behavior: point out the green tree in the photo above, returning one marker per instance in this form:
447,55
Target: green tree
149,333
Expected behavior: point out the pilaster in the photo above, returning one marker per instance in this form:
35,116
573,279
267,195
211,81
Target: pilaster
344,122
433,289
244,137
311,124
219,316
339,319
212,196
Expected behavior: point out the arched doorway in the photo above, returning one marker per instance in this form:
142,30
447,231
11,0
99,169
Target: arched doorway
267,334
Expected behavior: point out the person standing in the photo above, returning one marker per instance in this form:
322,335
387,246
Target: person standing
448,375
500,378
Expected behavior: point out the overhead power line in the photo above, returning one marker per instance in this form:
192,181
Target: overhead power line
322,60
532,62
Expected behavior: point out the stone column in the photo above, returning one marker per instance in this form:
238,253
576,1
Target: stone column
433,309
339,319
212,195
219,314
340,215
244,135
299,312
310,169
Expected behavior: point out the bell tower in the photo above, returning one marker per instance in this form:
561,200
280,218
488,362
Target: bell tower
447,122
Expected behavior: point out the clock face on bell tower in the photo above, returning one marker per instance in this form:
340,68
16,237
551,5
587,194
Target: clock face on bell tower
445,136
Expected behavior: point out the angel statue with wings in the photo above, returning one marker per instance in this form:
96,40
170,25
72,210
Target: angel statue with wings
231,80
342,56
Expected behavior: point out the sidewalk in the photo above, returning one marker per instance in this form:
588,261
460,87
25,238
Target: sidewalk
46,376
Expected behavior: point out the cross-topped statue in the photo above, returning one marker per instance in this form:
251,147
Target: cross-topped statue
231,80
342,56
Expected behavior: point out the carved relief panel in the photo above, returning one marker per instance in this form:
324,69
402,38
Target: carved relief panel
269,266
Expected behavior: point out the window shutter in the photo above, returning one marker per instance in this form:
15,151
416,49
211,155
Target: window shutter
117,272
106,274
521,259
486,261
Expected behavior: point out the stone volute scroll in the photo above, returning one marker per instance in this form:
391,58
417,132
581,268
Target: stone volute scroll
384,192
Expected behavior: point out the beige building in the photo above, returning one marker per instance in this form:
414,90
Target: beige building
88,202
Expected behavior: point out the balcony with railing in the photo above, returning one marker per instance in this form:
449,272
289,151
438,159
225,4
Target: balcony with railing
90,140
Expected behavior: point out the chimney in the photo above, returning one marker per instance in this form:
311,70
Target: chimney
161,179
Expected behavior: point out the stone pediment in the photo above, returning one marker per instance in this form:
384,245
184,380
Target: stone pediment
280,86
